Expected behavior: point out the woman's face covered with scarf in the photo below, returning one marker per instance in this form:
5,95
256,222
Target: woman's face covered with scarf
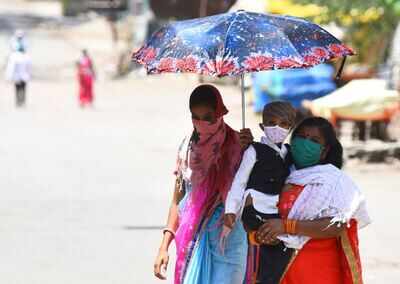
204,113
205,122
207,111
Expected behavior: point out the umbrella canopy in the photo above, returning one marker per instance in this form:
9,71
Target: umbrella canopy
235,43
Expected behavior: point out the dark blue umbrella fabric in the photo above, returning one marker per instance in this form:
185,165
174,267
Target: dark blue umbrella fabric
235,43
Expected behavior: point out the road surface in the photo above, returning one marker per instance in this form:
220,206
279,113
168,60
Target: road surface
85,192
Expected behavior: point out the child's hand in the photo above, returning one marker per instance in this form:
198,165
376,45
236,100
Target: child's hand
270,230
229,220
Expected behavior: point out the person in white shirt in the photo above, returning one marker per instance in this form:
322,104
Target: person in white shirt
18,40
255,190
19,72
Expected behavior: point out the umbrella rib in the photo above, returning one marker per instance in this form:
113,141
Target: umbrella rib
283,35
291,44
229,28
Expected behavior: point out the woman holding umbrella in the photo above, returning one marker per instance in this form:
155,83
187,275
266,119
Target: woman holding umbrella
206,165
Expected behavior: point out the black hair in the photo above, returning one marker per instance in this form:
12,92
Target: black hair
335,153
203,95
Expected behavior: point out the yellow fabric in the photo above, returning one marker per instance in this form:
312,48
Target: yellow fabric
351,258
287,7
319,13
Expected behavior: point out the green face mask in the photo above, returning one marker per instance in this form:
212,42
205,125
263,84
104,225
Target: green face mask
305,152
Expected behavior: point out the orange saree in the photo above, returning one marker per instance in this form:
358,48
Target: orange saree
323,261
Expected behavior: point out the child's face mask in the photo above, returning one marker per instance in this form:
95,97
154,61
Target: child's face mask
276,134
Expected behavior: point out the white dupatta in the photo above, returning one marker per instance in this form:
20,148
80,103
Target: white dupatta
328,192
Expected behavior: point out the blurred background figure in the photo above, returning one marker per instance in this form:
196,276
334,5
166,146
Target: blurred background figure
86,77
19,72
18,40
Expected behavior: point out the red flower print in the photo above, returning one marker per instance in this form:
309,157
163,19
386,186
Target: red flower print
209,68
320,52
166,65
225,67
288,63
258,62
349,50
219,67
145,55
311,60
187,64
338,50
316,56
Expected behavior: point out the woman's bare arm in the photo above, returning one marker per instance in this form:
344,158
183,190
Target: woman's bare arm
172,221
162,259
315,229
319,229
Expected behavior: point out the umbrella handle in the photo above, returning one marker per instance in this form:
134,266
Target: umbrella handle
243,101
339,73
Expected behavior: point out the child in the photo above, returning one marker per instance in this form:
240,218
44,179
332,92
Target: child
254,193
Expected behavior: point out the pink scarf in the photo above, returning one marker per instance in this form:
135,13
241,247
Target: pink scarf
214,160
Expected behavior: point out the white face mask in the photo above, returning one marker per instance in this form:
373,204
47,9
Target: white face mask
276,134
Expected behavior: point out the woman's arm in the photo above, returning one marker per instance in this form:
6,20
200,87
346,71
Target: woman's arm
161,263
319,229
172,221
315,229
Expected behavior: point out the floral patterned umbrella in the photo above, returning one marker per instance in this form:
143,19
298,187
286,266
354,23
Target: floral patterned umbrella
232,44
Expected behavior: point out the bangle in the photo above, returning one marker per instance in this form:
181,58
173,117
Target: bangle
290,226
169,231
294,227
253,239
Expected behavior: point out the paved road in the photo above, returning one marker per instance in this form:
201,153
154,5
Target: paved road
85,191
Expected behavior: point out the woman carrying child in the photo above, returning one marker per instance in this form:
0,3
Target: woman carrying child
321,211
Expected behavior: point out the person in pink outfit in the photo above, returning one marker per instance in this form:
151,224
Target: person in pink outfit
86,77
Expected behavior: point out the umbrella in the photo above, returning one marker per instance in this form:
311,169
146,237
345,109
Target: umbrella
232,44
